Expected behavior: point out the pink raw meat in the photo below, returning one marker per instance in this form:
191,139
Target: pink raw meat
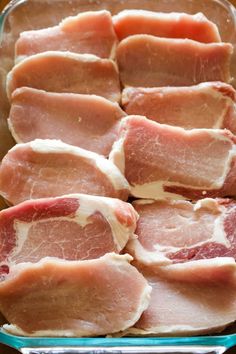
169,25
87,121
206,105
66,72
177,231
73,298
163,161
73,227
50,168
87,33
187,308
171,62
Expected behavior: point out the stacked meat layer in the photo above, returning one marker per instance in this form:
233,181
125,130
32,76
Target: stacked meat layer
80,156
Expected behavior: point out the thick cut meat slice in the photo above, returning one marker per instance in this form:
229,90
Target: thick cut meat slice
50,168
87,33
171,62
73,227
162,161
67,72
73,298
179,231
88,121
207,105
170,25
185,308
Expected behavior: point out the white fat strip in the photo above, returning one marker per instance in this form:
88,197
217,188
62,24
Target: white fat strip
88,205
218,236
158,255
45,146
154,190
117,154
106,207
147,257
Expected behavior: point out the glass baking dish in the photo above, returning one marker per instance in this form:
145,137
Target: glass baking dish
22,15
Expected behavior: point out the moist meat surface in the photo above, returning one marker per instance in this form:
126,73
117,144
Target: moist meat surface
87,121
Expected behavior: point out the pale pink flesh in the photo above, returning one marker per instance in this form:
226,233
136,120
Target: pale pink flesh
28,174
87,121
207,105
67,72
158,153
171,62
74,227
188,308
89,32
74,298
180,232
168,25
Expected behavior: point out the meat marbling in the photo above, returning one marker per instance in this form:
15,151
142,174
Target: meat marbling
206,105
162,161
87,33
50,168
87,121
72,227
177,231
169,25
73,298
171,62
66,72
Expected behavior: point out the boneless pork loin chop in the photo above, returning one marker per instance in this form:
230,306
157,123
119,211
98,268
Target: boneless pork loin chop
190,237
186,308
89,32
50,168
87,298
206,105
72,227
66,72
162,161
168,25
171,62
87,121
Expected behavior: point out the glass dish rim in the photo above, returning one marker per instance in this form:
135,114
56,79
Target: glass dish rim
18,342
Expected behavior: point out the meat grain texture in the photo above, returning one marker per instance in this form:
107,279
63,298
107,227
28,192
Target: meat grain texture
58,275
50,168
207,105
162,161
72,227
108,295
90,32
67,72
171,62
87,121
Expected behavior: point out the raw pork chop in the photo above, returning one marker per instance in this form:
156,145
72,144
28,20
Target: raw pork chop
179,231
185,308
171,62
170,25
50,168
207,105
88,121
76,298
163,161
67,72
87,33
73,227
